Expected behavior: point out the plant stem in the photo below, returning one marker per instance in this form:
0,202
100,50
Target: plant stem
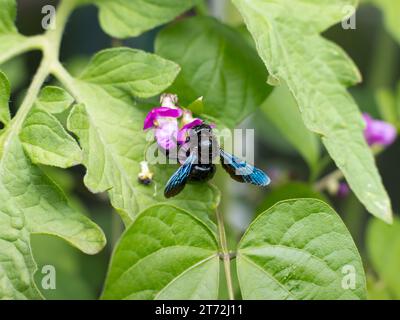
66,79
323,183
32,93
50,45
225,254
25,44
64,10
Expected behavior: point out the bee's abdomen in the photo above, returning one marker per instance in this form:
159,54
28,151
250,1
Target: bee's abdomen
202,172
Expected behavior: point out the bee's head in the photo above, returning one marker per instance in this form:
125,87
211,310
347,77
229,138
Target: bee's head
202,140
202,128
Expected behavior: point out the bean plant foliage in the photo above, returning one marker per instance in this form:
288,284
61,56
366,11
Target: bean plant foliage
176,248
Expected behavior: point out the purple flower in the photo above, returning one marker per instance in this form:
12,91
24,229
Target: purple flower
166,132
164,120
156,113
343,190
182,134
378,132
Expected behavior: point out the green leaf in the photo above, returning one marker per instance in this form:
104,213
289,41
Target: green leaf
178,261
317,72
299,249
130,18
218,64
129,72
43,136
4,98
281,109
54,100
11,42
391,11
47,142
383,245
31,203
110,129
8,13
291,190
197,106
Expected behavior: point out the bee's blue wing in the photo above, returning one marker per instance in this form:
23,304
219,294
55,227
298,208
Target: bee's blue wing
242,171
178,180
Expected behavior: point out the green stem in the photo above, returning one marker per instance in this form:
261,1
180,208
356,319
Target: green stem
225,254
32,93
26,44
16,123
66,79
64,10
324,182
49,44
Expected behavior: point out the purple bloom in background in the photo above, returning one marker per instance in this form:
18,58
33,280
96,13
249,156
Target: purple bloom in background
378,132
343,190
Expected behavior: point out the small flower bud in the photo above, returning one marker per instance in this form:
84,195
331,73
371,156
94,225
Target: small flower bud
333,186
145,176
168,100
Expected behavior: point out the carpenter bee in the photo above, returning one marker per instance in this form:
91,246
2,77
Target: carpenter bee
201,148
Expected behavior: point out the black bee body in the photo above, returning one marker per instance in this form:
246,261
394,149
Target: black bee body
202,141
201,148
202,172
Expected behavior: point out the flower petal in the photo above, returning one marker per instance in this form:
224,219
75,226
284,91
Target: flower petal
157,112
168,112
182,132
343,190
166,132
378,131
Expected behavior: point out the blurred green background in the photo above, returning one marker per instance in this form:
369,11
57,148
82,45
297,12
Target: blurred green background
377,55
